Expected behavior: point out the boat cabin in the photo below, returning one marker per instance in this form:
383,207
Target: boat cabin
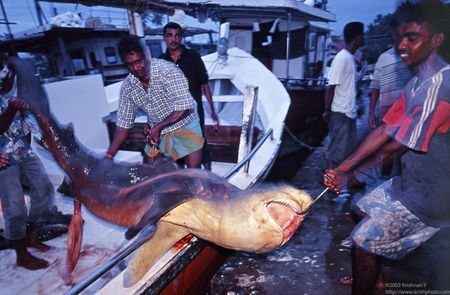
74,51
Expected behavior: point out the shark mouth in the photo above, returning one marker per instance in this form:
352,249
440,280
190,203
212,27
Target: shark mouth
286,215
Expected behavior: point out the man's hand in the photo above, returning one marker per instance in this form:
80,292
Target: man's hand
326,116
335,180
4,161
153,134
371,121
216,126
215,121
18,104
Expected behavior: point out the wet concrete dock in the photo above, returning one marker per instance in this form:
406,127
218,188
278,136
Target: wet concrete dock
319,252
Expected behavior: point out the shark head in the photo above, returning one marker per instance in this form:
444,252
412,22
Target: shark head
257,220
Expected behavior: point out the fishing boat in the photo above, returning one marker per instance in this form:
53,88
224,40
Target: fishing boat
252,104
61,51
234,84
239,100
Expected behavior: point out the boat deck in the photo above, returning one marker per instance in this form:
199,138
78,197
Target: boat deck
101,241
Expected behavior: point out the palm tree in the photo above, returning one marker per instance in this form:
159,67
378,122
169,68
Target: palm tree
152,18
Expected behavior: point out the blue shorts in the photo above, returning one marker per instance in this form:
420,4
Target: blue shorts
342,139
389,229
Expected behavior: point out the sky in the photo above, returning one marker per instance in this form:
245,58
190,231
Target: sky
23,12
364,11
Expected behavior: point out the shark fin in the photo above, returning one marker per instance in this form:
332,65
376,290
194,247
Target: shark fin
165,237
73,242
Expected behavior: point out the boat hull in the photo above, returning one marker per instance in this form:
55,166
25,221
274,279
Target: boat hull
305,112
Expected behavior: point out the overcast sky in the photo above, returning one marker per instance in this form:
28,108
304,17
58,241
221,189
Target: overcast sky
358,10
23,13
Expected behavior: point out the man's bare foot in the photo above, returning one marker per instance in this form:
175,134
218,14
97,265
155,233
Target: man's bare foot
31,262
36,244
348,281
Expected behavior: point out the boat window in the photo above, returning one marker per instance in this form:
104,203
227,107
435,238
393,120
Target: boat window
223,87
78,65
110,54
92,59
78,61
155,48
312,41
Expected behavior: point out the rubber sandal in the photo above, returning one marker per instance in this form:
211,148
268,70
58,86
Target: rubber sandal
346,281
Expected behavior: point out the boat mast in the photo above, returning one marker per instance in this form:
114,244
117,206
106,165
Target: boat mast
39,12
6,22
222,46
135,26
288,43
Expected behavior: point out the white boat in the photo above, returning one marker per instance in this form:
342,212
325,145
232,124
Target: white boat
231,85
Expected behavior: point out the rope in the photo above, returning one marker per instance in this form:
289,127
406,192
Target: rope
295,138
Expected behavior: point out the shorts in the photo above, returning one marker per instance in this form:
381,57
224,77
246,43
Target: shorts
179,143
342,139
389,229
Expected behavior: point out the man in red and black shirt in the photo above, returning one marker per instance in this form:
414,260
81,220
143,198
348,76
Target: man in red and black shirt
405,211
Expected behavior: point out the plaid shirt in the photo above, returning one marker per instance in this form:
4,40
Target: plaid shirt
14,141
168,91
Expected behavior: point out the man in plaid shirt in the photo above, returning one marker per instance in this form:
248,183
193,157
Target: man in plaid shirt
161,90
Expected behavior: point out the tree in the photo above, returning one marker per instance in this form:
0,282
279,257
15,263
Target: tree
378,37
152,18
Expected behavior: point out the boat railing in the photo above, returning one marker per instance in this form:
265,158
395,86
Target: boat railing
248,123
306,82
108,265
321,4
250,155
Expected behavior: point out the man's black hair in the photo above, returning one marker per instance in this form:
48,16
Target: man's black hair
434,12
353,30
5,52
131,44
172,25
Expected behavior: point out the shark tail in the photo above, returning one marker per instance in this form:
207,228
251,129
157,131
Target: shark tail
29,87
73,242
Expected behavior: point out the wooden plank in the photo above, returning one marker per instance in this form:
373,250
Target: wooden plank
195,278
248,121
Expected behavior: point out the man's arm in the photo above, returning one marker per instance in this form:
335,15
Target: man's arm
8,115
4,160
373,141
376,140
8,82
207,93
329,94
385,155
120,135
375,92
154,134
374,95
